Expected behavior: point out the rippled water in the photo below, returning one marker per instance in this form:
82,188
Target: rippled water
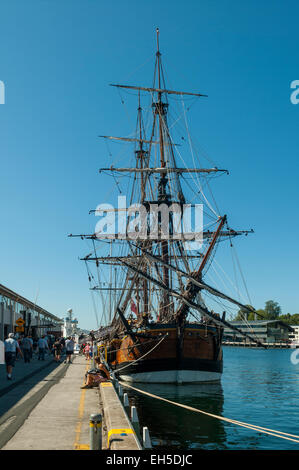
260,387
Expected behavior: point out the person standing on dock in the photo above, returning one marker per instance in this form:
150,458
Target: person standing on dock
31,350
86,351
69,347
57,346
26,348
62,341
11,347
42,346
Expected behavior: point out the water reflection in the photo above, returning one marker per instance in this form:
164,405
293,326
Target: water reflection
173,427
258,387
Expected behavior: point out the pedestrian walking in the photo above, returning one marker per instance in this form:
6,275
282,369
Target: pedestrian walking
69,347
35,341
86,351
26,348
31,342
18,340
57,346
62,341
42,346
11,348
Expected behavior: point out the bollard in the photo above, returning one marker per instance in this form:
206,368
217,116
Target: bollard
146,438
135,420
134,415
126,400
120,390
95,431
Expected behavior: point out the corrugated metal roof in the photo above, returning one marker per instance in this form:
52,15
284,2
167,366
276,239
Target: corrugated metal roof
260,322
10,294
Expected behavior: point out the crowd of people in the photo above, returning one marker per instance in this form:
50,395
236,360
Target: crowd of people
27,347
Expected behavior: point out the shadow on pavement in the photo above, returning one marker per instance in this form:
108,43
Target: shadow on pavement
14,391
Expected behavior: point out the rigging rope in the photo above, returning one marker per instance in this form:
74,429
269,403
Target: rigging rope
90,277
132,347
241,272
133,362
271,432
192,153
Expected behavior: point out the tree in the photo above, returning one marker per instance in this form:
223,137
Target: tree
261,314
272,310
290,319
244,313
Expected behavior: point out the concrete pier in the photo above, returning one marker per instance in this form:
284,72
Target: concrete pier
50,411
120,432
22,372
60,420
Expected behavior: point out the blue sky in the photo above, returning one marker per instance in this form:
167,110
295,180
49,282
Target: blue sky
57,59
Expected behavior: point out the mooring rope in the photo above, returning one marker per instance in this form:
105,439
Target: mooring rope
139,358
134,345
271,432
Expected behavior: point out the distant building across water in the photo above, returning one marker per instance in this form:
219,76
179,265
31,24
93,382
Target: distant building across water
267,331
294,336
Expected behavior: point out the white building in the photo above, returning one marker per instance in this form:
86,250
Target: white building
294,337
70,325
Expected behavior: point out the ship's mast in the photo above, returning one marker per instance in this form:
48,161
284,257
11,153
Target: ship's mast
159,106
141,156
160,110
168,191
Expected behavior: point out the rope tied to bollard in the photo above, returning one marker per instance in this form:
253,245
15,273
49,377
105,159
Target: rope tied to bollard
271,432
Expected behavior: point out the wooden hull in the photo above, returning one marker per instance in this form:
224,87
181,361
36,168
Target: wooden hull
167,355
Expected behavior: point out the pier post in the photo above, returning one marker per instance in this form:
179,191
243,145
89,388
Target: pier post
147,444
126,400
134,416
95,431
135,421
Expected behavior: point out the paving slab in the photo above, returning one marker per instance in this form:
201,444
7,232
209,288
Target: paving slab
22,371
60,421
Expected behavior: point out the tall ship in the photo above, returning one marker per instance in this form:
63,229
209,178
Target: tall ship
151,252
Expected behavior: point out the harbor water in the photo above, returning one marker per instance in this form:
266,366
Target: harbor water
260,387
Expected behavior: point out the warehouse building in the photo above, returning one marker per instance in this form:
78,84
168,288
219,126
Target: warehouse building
20,315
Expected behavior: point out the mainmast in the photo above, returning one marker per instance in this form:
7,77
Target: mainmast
160,107
160,110
141,157
141,154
